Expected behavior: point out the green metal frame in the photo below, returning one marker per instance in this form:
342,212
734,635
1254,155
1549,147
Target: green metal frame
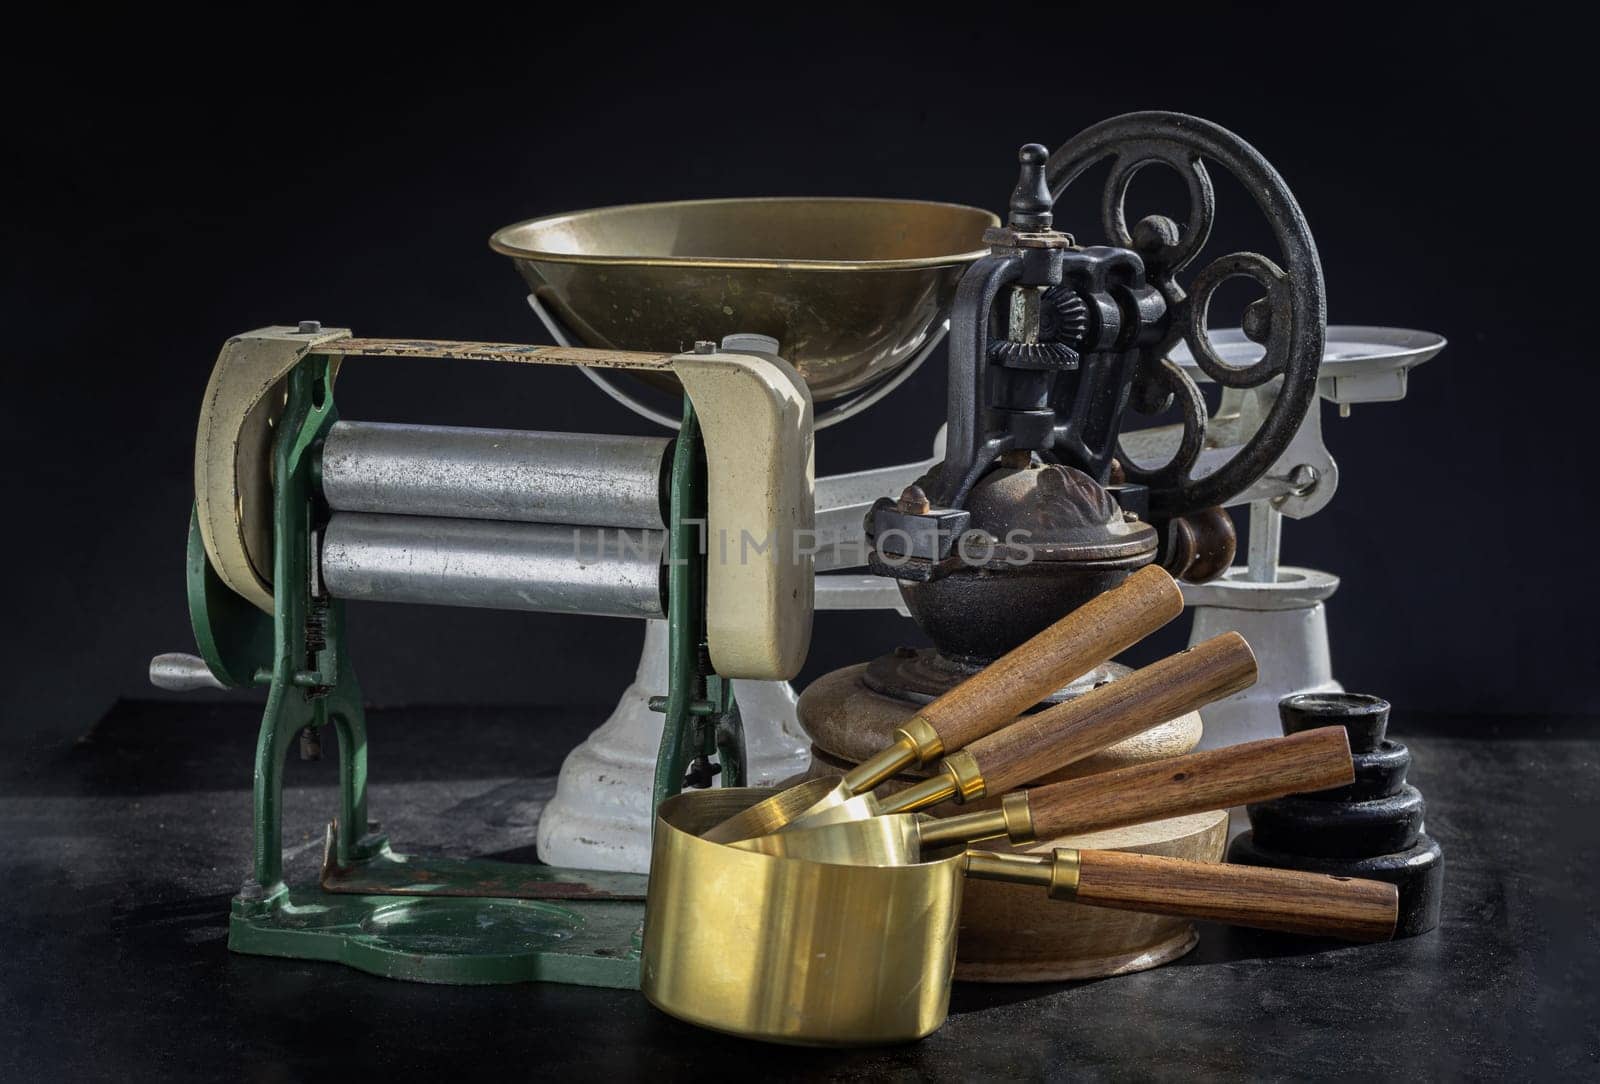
431,919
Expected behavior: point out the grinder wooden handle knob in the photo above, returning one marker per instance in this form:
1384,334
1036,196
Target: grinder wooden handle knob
1070,648
1058,736
1193,783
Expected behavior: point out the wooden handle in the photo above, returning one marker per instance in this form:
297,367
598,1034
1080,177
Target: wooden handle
1194,783
1080,641
1037,744
1268,899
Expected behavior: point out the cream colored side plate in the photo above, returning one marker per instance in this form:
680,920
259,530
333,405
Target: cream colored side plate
233,452
755,413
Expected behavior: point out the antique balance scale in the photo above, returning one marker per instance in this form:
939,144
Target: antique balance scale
749,308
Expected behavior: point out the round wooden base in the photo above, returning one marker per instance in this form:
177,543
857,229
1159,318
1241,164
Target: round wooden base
848,722
1175,947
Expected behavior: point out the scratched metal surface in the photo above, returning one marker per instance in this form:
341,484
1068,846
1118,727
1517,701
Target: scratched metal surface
120,851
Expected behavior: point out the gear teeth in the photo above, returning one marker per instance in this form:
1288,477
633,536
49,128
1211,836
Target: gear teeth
1066,317
316,627
1015,355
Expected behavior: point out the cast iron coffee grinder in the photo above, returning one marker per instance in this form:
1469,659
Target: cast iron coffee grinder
1035,508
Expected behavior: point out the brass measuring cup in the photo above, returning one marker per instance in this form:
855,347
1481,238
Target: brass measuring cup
817,953
990,699
1194,783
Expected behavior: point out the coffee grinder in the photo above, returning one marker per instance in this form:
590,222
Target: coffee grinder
1036,508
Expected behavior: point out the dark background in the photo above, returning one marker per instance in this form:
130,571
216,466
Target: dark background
169,191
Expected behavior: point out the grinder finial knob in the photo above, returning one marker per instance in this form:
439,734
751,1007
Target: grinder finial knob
1031,202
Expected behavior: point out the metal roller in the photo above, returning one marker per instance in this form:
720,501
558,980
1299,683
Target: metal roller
551,568
499,474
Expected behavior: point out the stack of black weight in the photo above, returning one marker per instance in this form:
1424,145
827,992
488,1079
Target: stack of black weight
1371,828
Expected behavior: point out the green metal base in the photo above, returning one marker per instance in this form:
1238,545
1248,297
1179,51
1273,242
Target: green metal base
451,939
451,920
447,939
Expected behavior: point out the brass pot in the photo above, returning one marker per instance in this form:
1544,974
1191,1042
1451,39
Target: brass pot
791,951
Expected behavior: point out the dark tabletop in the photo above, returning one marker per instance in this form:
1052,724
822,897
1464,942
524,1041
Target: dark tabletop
120,849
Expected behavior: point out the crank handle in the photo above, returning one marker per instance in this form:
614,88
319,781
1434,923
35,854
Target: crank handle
180,673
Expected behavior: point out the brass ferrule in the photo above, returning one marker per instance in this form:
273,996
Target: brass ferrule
1013,820
958,778
962,767
1018,814
915,743
1064,874
923,738
1058,874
